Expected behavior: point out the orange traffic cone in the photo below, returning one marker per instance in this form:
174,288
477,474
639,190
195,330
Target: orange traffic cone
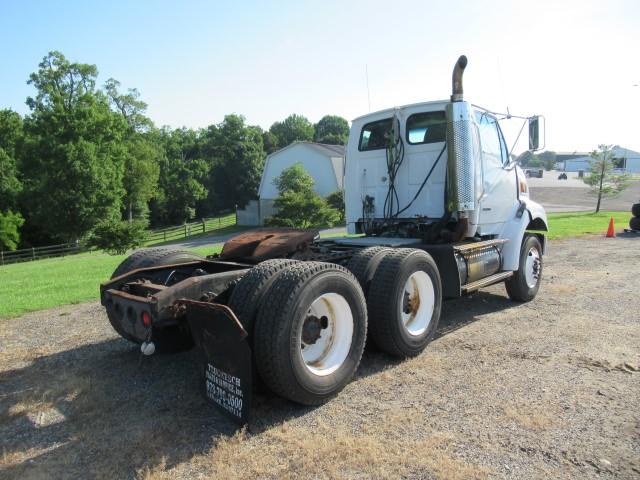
611,230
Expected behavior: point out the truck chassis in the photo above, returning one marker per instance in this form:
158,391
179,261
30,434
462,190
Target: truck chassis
220,303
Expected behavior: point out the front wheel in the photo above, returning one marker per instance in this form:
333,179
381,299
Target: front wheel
524,284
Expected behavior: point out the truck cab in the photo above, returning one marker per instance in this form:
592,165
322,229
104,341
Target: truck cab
440,171
499,182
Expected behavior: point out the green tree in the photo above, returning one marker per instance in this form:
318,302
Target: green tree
236,156
141,169
528,159
270,142
547,159
332,129
182,188
129,106
292,129
183,175
11,139
9,224
294,178
141,174
602,180
74,157
298,205
336,201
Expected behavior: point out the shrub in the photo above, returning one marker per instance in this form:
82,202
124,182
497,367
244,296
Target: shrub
336,201
9,224
302,210
116,237
298,204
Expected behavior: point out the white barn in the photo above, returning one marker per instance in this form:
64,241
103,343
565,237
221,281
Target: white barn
325,163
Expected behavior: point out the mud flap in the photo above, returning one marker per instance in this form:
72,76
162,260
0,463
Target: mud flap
226,357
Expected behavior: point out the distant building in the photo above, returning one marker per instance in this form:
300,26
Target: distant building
325,163
624,160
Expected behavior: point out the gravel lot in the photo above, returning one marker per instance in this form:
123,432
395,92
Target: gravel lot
548,389
574,195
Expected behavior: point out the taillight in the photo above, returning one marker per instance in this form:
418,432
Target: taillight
146,319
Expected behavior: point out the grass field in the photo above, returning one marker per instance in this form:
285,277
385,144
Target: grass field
29,286
563,225
48,283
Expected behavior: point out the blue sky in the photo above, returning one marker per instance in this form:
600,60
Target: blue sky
574,61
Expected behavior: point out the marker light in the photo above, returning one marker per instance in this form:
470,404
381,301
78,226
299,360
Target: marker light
146,319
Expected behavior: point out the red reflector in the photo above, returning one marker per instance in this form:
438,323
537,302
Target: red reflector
146,319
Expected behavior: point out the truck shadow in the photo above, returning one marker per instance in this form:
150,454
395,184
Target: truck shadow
97,411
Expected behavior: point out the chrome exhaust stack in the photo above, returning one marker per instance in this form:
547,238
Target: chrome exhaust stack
460,152
456,80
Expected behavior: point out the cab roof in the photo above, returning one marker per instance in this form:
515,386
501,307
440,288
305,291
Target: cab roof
402,107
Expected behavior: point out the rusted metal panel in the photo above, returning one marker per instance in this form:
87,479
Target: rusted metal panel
259,245
226,357
164,305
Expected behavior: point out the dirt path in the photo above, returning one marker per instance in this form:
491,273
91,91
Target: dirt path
548,389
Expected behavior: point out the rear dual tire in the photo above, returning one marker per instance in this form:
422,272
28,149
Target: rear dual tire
310,331
404,302
365,263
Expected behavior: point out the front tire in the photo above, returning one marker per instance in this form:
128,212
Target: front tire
310,332
525,282
404,302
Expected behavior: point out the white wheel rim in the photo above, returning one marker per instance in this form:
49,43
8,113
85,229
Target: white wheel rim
532,267
417,301
324,354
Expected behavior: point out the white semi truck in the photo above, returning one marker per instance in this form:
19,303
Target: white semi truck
441,210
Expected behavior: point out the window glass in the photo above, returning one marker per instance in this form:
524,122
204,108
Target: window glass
374,135
489,139
503,146
426,127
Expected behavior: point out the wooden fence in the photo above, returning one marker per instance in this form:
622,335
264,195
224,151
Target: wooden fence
189,229
27,254
153,237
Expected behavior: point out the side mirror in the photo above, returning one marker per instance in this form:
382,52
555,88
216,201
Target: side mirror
536,123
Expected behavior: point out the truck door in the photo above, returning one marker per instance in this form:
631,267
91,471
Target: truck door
499,185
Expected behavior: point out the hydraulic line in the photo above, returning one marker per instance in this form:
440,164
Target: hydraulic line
395,157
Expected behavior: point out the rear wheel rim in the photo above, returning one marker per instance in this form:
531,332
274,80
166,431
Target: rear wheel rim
417,302
326,334
532,267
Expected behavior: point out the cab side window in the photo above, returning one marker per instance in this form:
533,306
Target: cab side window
490,139
375,135
426,127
